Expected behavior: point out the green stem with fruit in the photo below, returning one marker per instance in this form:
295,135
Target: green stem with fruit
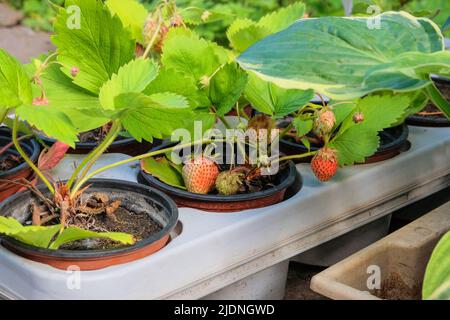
83,180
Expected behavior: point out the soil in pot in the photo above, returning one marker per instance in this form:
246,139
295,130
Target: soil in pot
393,141
12,167
431,116
106,206
256,190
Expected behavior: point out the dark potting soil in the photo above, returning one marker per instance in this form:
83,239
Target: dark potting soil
93,215
9,162
394,288
95,136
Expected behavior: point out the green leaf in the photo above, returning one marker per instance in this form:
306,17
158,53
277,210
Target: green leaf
71,234
61,92
436,283
155,116
355,142
132,14
302,127
189,55
9,225
37,236
344,59
15,86
272,100
243,33
51,121
169,80
283,18
132,77
32,235
164,170
197,16
98,48
355,145
226,87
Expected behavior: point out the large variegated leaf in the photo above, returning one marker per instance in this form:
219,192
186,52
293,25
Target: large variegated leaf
89,38
436,283
345,58
15,86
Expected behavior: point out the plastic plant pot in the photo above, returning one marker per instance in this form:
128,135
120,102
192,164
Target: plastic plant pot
128,146
432,119
23,170
160,208
393,141
399,259
284,180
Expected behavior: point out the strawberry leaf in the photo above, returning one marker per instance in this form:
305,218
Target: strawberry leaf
15,86
132,14
98,46
155,116
226,87
132,77
50,157
71,234
164,170
51,121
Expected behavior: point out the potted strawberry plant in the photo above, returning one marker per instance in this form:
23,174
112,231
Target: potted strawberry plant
55,222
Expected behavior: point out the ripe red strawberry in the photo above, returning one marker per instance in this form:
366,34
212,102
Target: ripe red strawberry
324,164
200,175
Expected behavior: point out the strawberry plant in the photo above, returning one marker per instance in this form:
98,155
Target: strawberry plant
93,78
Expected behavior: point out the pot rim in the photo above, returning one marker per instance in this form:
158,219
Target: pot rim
30,143
382,148
222,198
170,210
91,145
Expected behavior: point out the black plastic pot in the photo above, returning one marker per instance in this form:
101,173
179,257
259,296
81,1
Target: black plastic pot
285,180
127,146
23,170
393,141
137,195
432,120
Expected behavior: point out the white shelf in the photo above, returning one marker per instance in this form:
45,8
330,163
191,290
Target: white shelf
215,250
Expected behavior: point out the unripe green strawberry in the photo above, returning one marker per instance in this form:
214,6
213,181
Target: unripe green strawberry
324,164
200,174
228,183
324,122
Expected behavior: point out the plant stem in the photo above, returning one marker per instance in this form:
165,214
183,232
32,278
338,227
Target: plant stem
27,159
296,156
286,130
224,121
82,181
3,114
437,98
90,159
153,39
